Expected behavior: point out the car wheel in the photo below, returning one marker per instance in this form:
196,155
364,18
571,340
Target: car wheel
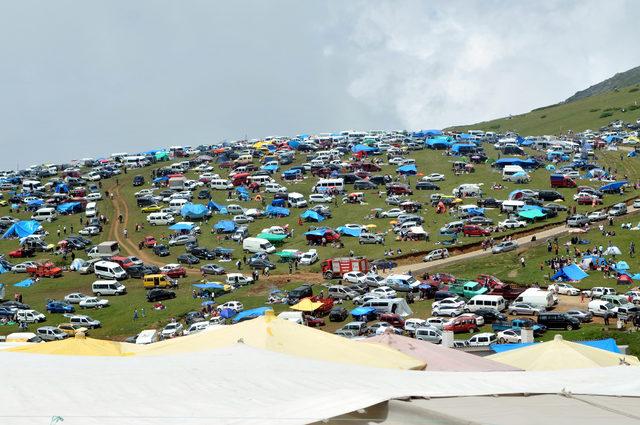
99,294
569,327
472,330
502,341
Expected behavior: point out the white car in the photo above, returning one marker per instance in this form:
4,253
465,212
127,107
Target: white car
392,213
447,310
22,267
169,267
381,328
75,297
436,322
320,198
354,277
135,260
93,302
451,302
243,219
509,336
410,325
636,203
233,305
275,188
396,160
566,289
597,216
95,196
90,231
384,292
196,327
436,254
433,177
572,174
144,192
172,330
354,226
479,319
374,280
512,223
309,257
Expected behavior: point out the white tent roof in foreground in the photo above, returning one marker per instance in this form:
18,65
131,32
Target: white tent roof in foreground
241,384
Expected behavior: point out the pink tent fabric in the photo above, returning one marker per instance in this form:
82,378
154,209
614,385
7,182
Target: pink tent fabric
437,357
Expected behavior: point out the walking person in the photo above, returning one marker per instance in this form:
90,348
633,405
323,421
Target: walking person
522,262
135,314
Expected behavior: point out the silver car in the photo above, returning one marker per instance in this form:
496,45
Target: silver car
49,333
429,334
183,240
505,246
524,308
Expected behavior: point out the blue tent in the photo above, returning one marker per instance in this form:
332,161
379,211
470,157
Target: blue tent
270,168
361,311
407,169
277,211
613,187
310,215
317,232
621,266
349,232
474,211
194,211
363,148
463,148
288,174
225,226
294,144
608,344
227,313
62,188
213,206
426,133
570,272
69,207
524,163
439,143
22,229
208,285
243,193
251,314
182,226
24,283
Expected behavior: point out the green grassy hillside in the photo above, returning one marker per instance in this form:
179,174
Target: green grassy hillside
589,113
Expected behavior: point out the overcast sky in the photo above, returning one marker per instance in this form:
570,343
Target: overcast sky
85,78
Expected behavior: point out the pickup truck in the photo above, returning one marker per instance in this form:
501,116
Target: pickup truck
44,270
508,292
518,324
467,289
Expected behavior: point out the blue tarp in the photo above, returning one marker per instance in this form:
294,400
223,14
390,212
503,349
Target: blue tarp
22,229
363,148
251,314
181,226
474,211
292,173
272,168
613,187
608,344
208,285
311,215
622,266
570,272
68,207
317,232
361,311
294,144
216,207
463,147
440,142
427,133
243,193
226,226
407,169
194,211
349,232
24,283
524,163
161,179
277,211
62,188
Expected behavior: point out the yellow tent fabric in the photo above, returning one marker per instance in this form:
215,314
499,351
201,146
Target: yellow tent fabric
78,346
307,305
559,354
283,336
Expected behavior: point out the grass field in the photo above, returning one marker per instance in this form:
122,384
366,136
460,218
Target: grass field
118,318
589,113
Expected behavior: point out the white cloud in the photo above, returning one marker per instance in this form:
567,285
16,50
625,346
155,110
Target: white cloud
439,63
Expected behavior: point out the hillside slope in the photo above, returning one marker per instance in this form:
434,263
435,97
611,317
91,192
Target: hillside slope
621,79
588,113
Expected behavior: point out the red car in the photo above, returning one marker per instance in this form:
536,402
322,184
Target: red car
176,273
149,241
488,280
314,322
462,324
393,319
399,189
589,200
21,253
124,262
475,230
44,270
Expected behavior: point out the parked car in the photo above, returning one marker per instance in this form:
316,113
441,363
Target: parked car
93,302
172,330
509,336
212,269
583,315
524,308
188,259
59,307
338,314
436,254
504,246
158,294
50,333
558,320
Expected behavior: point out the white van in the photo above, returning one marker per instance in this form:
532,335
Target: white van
496,302
275,188
30,316
511,206
296,200
260,179
177,204
325,185
45,214
220,184
292,316
160,219
196,327
395,305
467,190
91,210
537,297
108,287
109,270
510,170
600,307
256,245
148,336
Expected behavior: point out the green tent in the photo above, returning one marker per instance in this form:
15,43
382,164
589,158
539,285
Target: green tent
287,254
272,238
162,156
531,214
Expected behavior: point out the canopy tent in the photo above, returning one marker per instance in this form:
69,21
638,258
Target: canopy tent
531,214
608,344
559,354
194,211
364,148
288,254
69,207
621,266
612,250
310,215
251,314
439,357
307,305
225,226
162,156
22,229
349,231
271,237
277,211
571,272
407,169
214,206
182,225
613,187
77,346
243,193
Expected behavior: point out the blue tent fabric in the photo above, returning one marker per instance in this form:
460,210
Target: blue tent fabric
312,215
251,314
225,226
277,211
608,344
570,272
361,311
363,148
349,232
613,187
208,285
317,232
24,283
227,313
271,168
68,207
194,211
524,163
217,207
621,266
22,229
407,169
474,212
181,226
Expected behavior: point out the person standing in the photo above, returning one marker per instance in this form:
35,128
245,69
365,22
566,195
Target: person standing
135,314
522,262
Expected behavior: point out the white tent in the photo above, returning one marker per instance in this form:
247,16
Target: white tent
245,385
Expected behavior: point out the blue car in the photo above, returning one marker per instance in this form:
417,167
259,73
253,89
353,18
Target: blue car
59,307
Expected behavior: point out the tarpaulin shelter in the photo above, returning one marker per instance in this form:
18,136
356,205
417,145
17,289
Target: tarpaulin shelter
272,168
613,187
61,188
349,231
439,357
24,283
463,148
570,272
194,211
531,214
69,207
364,148
209,285
162,156
439,143
22,229
310,215
307,305
361,311
251,314
407,169
277,211
243,193
608,344
271,237
559,354
214,206
225,226
182,225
